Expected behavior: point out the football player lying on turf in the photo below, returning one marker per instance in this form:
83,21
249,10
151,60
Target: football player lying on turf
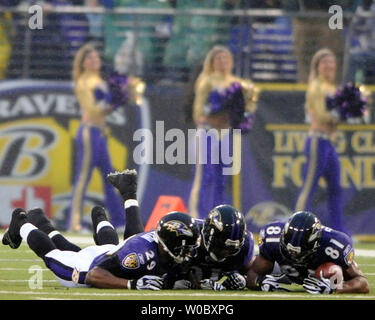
137,263
226,249
302,247
225,254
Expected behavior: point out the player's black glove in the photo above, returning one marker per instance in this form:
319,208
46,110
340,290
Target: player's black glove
234,281
147,282
208,284
125,182
314,285
271,283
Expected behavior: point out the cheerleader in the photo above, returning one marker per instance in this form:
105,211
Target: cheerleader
93,95
222,101
321,157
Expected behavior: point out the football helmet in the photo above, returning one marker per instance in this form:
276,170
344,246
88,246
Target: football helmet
300,237
179,235
224,232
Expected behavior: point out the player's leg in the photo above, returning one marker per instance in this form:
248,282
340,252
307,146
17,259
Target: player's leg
70,268
20,228
316,159
134,222
112,201
126,183
38,218
104,232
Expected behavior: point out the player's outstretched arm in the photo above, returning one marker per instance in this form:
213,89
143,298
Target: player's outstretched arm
103,279
354,281
259,266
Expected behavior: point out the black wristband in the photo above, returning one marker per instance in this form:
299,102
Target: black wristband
132,284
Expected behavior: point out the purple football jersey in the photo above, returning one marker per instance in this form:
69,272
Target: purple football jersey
133,258
334,246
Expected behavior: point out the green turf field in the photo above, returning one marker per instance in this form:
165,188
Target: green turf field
23,276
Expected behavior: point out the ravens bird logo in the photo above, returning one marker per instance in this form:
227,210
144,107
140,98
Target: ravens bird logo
179,228
215,219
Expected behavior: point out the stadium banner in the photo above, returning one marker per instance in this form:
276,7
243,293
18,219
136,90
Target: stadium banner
277,153
38,124
39,120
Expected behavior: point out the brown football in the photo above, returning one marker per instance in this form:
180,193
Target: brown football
329,269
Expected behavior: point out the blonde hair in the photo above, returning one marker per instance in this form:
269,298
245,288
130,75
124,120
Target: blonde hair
79,59
208,64
318,56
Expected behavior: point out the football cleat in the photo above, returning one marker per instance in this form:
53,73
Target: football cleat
125,182
38,218
97,215
12,235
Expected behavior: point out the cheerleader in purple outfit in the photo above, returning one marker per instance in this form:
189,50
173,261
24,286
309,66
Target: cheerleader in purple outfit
91,136
321,157
222,101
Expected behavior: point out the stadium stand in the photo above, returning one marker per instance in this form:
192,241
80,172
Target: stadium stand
166,40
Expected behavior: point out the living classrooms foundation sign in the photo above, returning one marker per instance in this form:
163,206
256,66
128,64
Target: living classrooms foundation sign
38,125
279,137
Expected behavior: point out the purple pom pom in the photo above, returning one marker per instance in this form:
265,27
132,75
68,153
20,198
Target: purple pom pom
231,100
118,89
347,101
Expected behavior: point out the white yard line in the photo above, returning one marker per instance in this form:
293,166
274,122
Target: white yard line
364,253
22,269
20,260
172,294
22,280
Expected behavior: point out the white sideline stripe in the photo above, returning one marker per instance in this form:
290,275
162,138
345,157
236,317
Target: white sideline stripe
19,280
45,298
364,253
22,269
20,260
216,294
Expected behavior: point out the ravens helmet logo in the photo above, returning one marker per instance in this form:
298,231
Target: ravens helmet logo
178,227
215,219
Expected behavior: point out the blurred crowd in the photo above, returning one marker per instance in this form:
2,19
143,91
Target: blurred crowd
157,46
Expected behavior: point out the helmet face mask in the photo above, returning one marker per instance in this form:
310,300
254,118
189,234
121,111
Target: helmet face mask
224,232
300,238
178,234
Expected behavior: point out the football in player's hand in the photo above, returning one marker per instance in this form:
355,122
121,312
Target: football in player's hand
331,271
328,268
